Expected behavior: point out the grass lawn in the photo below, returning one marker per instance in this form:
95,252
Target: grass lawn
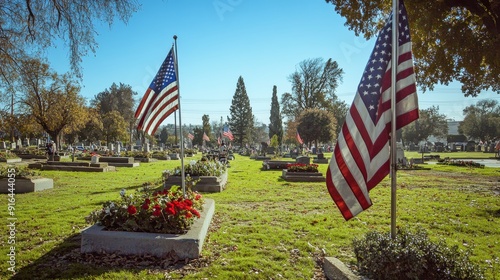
263,228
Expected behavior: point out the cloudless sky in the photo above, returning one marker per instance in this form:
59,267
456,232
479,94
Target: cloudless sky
220,40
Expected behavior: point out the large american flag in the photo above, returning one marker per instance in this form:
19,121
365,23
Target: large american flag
161,98
227,132
361,157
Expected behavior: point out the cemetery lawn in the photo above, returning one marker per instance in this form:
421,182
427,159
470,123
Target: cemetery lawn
263,227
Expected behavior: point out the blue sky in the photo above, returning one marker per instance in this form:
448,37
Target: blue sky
220,40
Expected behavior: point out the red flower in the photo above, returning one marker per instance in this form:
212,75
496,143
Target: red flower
178,204
188,215
170,209
188,203
157,212
145,206
195,212
131,209
147,201
197,197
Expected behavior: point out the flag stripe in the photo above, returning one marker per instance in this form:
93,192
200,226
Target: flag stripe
165,96
160,99
362,155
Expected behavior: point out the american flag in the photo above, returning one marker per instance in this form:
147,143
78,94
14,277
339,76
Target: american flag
190,136
161,98
299,139
227,132
361,157
205,137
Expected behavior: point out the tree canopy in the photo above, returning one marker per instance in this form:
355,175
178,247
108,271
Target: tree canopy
53,100
430,122
313,86
453,40
28,28
316,125
481,121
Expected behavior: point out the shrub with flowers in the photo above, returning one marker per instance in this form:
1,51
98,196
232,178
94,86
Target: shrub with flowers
165,211
199,168
301,167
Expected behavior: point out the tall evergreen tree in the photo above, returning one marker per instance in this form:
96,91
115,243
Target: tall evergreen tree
276,124
241,120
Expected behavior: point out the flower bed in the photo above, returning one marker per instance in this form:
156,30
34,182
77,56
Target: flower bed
209,176
9,157
166,211
302,167
150,222
22,180
301,172
182,246
457,162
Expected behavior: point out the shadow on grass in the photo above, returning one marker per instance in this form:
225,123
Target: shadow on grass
66,262
60,263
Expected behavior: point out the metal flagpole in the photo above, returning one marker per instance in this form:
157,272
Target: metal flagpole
394,65
183,181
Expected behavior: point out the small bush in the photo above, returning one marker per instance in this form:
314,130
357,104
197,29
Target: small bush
411,256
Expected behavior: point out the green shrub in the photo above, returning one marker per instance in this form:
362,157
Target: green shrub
20,171
411,256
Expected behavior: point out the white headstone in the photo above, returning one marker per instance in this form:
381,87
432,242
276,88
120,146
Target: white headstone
111,147
118,148
3,146
19,142
13,145
147,148
400,154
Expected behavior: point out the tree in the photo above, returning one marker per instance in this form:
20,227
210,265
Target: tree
92,130
118,98
53,100
163,135
198,136
241,120
339,111
316,125
313,86
206,126
452,40
430,122
481,121
275,120
30,27
114,127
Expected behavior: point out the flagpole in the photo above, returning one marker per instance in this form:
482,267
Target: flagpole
183,181
393,160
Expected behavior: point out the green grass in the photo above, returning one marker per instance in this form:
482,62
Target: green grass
264,227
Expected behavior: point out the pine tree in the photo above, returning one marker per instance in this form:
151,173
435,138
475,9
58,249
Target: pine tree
241,120
276,124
